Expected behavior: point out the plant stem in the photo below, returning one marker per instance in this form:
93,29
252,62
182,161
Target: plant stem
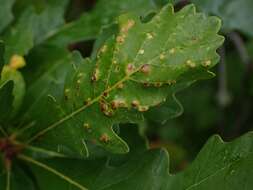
239,45
245,106
223,94
8,179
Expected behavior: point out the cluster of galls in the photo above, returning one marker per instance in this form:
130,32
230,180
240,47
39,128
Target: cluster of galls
104,138
124,30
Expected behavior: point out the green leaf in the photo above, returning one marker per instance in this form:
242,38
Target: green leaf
19,180
104,13
168,110
8,73
6,100
19,40
233,17
50,19
33,27
218,166
5,13
135,70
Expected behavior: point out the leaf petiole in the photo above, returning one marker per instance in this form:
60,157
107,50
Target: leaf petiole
8,179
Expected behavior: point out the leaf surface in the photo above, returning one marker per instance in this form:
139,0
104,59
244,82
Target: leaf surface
6,15
218,166
236,14
88,26
133,71
33,27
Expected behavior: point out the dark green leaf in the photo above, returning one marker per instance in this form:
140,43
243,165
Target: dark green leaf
104,13
18,180
34,27
5,13
219,165
8,73
236,14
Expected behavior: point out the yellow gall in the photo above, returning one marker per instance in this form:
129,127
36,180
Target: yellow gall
172,51
120,85
87,102
104,48
120,39
66,93
143,108
162,56
118,103
135,103
17,62
158,84
207,63
127,26
141,51
171,82
104,138
86,126
67,90
149,36
80,75
95,75
190,64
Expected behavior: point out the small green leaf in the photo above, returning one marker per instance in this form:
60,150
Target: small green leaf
9,73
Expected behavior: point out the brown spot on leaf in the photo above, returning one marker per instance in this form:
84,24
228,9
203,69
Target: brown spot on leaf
143,108
104,138
145,69
135,103
120,85
130,69
118,103
127,26
87,127
95,75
